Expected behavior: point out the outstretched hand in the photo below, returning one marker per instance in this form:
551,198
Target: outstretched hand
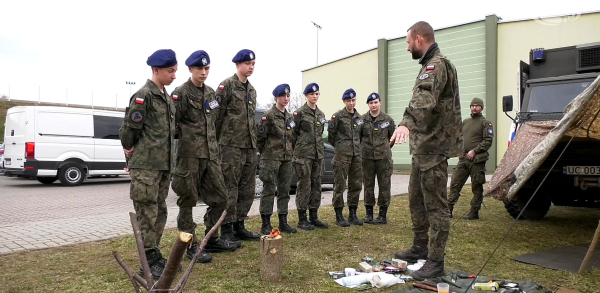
400,135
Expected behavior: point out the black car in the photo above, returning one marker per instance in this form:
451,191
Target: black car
327,177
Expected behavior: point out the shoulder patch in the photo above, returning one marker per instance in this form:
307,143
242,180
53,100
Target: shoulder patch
261,129
430,67
333,117
136,117
295,113
221,87
331,124
139,100
263,118
175,97
423,76
490,131
218,99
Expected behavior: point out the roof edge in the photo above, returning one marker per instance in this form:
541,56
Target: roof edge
336,60
552,16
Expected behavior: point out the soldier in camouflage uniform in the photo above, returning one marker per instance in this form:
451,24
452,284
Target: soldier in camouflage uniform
478,137
376,132
344,135
275,136
236,133
198,161
308,161
433,121
147,136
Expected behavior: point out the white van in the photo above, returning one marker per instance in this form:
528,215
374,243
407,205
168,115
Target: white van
68,144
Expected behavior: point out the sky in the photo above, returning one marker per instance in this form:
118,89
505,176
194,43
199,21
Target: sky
83,52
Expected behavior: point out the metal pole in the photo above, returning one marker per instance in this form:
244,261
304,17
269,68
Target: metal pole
9,91
92,99
318,28
67,98
116,99
39,94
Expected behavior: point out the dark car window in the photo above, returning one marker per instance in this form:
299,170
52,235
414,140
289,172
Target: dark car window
554,97
107,127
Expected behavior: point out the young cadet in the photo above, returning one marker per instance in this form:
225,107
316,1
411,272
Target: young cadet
198,161
275,136
377,130
308,158
147,135
236,133
344,135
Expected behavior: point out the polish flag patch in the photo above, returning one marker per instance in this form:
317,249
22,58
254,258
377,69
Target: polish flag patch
333,117
264,118
430,67
221,87
175,97
295,114
139,100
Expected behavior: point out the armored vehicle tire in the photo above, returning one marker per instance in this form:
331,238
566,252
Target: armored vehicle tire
71,174
47,180
537,209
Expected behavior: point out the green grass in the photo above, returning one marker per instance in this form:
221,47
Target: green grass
310,255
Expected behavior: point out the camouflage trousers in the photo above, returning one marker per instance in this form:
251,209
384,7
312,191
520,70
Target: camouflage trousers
194,176
382,169
148,191
276,177
464,169
239,171
346,168
429,207
308,189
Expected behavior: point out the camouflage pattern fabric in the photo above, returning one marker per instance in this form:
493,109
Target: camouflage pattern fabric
308,190
478,135
148,191
276,135
464,169
344,132
239,172
346,168
383,170
149,126
276,176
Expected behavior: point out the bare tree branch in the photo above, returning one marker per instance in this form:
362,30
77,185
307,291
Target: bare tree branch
140,246
132,277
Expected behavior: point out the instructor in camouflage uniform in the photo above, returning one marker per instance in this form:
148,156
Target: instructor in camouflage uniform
433,121
275,136
308,161
376,132
478,137
147,135
198,161
344,135
236,133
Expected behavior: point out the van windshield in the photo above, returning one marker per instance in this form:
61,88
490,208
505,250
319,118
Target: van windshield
548,98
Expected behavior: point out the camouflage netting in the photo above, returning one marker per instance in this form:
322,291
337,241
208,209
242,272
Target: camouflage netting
535,140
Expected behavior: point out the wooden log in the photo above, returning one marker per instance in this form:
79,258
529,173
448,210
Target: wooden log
137,233
166,279
590,252
271,258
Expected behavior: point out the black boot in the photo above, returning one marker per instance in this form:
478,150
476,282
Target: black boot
303,223
352,218
204,256
382,219
451,210
339,218
369,216
314,219
283,225
216,245
243,234
266,225
431,269
472,215
155,262
228,236
416,252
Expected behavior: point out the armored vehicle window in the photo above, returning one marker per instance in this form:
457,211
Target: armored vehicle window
554,97
106,127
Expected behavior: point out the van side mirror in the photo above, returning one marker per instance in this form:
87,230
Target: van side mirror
507,103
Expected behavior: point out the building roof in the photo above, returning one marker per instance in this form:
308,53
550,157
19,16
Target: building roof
554,16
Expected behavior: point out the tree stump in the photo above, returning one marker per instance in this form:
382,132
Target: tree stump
271,258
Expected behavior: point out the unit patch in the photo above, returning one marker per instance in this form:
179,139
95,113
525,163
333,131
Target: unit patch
490,131
218,99
261,129
213,104
292,124
139,100
423,76
136,116
175,97
385,125
331,124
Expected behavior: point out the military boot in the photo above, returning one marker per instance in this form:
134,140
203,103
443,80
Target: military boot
243,234
352,218
283,225
431,269
472,215
303,223
451,210
216,245
204,256
266,225
369,216
382,219
339,218
157,266
416,252
228,236
314,219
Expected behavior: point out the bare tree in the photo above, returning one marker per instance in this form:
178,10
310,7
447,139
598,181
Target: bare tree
3,97
296,101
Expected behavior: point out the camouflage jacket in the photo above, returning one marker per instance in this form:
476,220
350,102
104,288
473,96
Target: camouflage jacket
433,113
375,136
308,133
344,132
478,136
275,135
149,126
194,117
235,116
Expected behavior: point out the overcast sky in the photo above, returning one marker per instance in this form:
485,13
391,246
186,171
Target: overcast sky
72,50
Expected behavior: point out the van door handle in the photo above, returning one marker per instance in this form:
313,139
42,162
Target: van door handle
14,142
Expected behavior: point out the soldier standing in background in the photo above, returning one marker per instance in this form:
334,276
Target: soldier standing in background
275,136
308,158
376,132
147,135
236,133
478,137
344,135
433,121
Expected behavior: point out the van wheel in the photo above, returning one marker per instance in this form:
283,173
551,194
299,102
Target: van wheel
71,174
47,180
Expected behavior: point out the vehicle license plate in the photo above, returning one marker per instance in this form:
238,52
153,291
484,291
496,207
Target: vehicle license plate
581,170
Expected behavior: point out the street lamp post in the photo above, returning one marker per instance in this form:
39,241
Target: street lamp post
318,28
130,83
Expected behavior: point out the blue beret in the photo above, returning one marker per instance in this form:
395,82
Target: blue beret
281,90
373,96
349,94
162,58
311,88
243,55
198,59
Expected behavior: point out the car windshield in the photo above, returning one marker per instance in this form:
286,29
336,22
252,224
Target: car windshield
554,97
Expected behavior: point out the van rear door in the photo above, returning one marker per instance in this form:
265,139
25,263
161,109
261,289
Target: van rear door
14,138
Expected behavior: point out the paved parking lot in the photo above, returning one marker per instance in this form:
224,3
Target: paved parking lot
36,216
